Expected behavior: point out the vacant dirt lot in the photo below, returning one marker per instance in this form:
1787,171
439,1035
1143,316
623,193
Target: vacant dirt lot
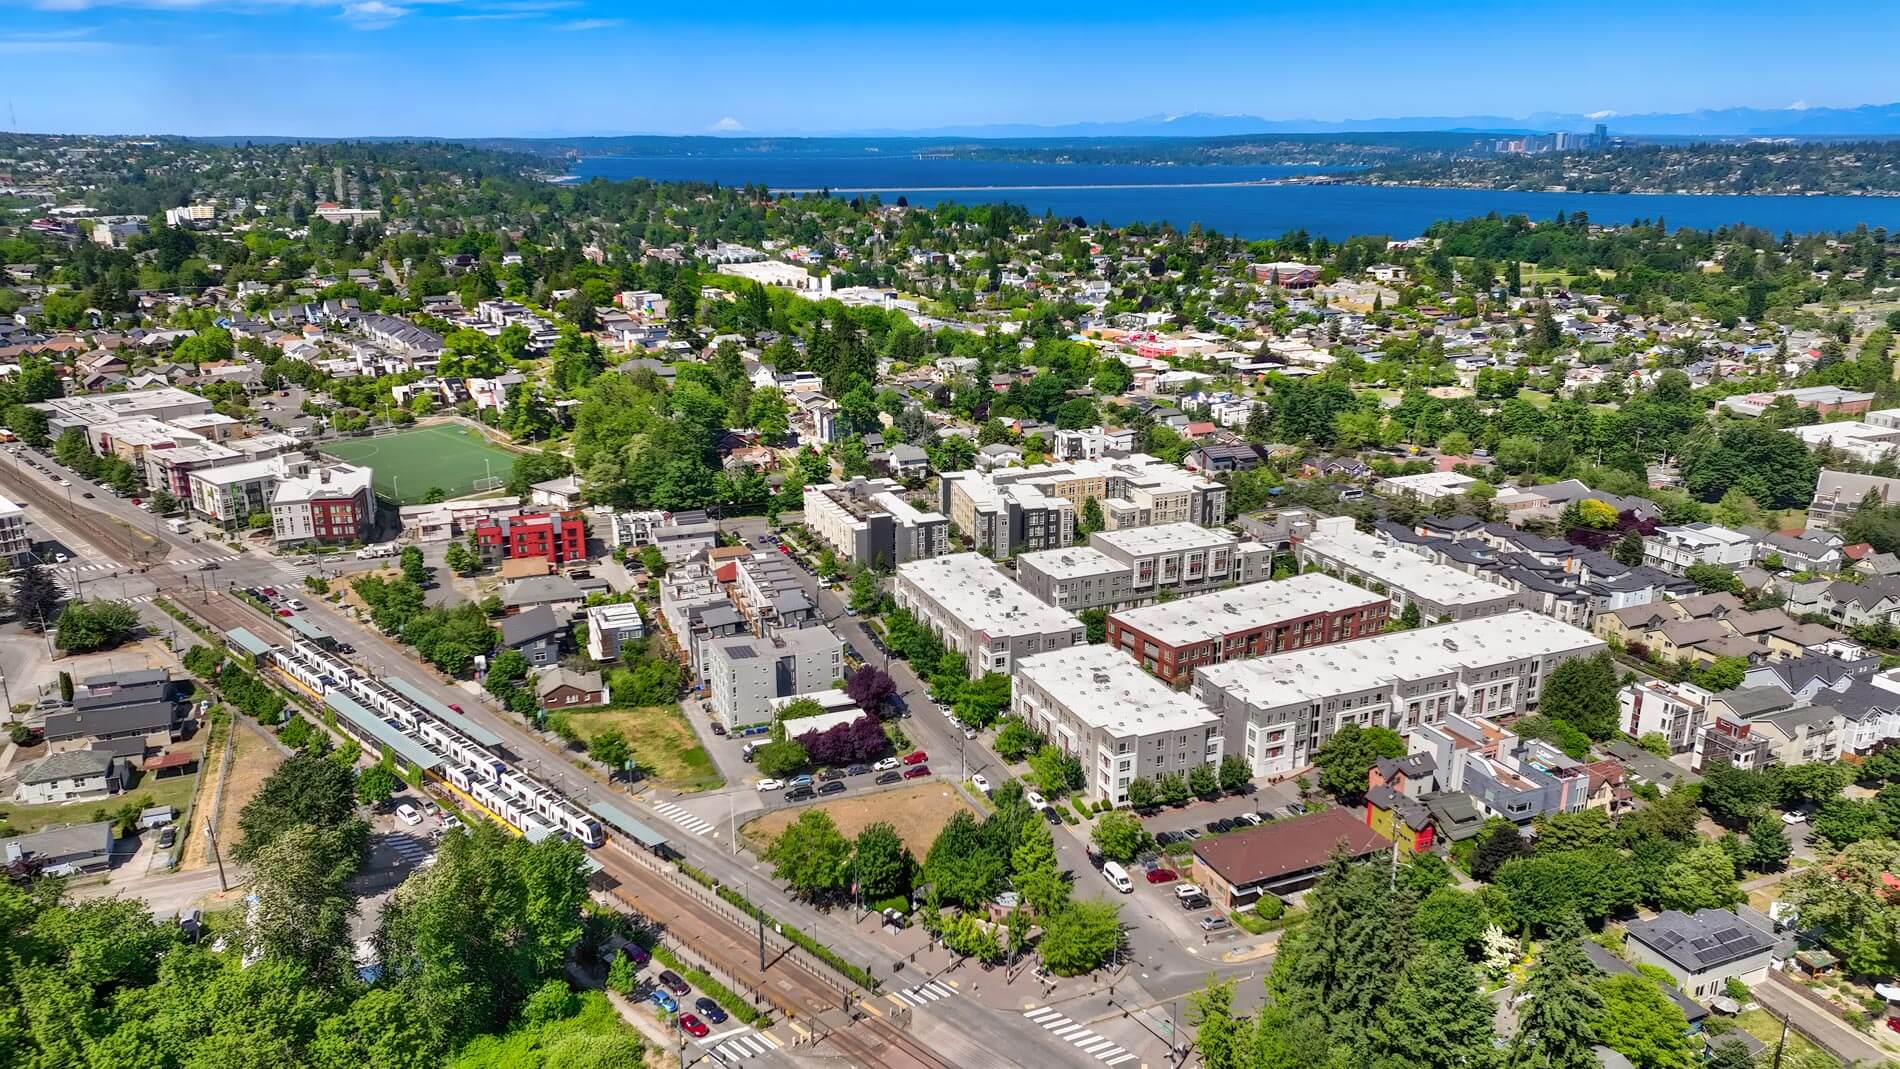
254,761
664,745
916,812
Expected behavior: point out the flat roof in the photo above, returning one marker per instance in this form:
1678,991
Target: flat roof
382,731
623,822
447,715
243,639
1164,538
982,597
1108,690
297,623
1069,562
1363,664
1223,612
1437,583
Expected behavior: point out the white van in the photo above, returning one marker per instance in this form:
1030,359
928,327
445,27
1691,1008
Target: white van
1117,878
178,525
384,549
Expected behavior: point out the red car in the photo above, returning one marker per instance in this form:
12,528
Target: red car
916,758
785,549
1162,876
457,708
694,1026
917,772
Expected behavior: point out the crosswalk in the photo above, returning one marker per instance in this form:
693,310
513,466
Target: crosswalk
740,1044
87,569
923,994
684,819
409,849
1079,1037
216,558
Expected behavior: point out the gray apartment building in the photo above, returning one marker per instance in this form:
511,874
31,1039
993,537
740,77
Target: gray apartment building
746,673
868,523
978,612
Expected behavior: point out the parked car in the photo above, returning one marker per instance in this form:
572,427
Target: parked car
718,728
638,954
1162,876
1192,833
800,794
891,776
674,982
884,764
980,782
710,1010
1189,890
295,605
857,770
408,814
916,757
1793,817
1035,800
1249,819
1167,838
917,772
167,835
1214,922
799,781
1294,810
836,786
969,732
1190,905
664,1000
770,784
830,774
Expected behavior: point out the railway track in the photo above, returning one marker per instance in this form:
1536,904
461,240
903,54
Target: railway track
110,536
811,997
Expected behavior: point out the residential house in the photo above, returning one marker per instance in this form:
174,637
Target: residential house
536,633
1703,951
564,689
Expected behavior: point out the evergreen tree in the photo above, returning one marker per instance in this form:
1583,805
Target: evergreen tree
1556,1026
1768,847
1435,1018
36,597
1216,1034
1629,550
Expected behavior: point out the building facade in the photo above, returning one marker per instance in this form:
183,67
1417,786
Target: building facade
557,536
746,673
1442,593
330,505
979,613
868,523
1172,639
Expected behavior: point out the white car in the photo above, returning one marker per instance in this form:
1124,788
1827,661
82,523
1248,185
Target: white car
294,605
980,783
948,713
770,785
1036,801
969,732
1188,890
1792,819
885,764
408,814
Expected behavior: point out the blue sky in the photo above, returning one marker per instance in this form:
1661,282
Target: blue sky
528,67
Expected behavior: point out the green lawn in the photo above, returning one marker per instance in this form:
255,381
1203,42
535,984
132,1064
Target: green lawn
444,456
1801,1052
172,791
664,744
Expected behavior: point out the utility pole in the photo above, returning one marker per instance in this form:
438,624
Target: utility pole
211,836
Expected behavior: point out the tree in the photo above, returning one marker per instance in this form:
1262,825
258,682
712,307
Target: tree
1543,888
1410,617
1172,788
1034,871
1641,1023
1655,742
302,904
1435,1018
1054,771
1120,836
1203,780
872,688
459,560
611,748
1498,842
1451,918
779,759
412,567
1629,549
1770,465
1219,1038
1094,623
1015,738
87,626
1234,773
1848,901
964,864
1141,793
1080,936
1702,877
812,855
1582,692
1347,758
880,862
1768,846
506,672
306,789
1735,797
1713,579
1091,519
376,784
1557,1022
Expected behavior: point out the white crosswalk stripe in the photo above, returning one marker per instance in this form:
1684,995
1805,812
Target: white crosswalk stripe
684,819
1078,1036
740,1045
216,559
927,992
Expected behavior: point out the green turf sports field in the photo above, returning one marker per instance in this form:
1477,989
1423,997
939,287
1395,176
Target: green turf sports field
446,455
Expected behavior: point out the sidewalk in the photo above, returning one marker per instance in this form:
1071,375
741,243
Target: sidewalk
1829,1032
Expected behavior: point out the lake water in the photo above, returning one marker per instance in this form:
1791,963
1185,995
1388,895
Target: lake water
1182,195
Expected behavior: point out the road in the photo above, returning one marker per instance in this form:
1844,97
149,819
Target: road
1827,1030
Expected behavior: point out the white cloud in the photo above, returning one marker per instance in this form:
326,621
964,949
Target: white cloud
1604,114
372,14
727,125
583,25
38,42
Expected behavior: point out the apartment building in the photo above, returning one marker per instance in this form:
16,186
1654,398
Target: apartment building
15,542
1676,711
746,673
969,603
868,523
557,536
1676,549
1183,558
1517,779
1838,493
331,505
229,493
1277,710
1076,579
1441,592
97,410
611,626
1171,639
1017,510
1119,721
1002,513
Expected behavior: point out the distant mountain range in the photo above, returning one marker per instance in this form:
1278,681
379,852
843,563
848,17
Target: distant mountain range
1870,120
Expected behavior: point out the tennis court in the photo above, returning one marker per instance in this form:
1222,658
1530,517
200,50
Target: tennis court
449,456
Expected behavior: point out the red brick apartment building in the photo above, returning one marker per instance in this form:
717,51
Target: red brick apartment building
1172,639
557,536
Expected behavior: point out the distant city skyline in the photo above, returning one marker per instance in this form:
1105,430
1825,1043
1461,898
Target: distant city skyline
474,68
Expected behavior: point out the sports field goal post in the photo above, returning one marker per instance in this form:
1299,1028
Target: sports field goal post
487,482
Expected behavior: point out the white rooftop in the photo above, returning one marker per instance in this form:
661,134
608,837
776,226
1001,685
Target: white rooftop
1401,568
1164,538
340,480
972,588
1106,689
1223,612
1070,562
1323,672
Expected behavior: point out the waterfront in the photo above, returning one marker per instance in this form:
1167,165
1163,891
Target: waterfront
1230,198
